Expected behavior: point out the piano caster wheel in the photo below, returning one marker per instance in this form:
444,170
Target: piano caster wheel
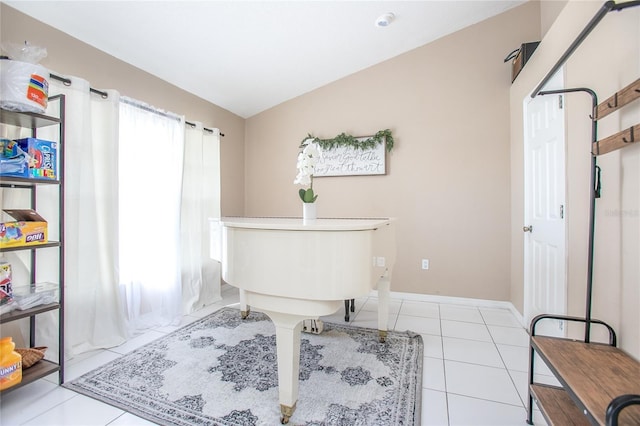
244,314
286,412
382,336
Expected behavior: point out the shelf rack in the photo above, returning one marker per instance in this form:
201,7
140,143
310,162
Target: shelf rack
35,121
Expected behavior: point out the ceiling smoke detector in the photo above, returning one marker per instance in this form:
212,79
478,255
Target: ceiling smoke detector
385,20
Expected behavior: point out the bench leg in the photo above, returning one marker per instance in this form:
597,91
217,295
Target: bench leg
530,399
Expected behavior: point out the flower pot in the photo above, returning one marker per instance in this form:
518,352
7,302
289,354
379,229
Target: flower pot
309,211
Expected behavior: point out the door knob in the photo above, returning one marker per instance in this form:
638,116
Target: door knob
528,229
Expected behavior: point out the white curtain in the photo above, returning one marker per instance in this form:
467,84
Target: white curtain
200,203
92,304
150,185
93,316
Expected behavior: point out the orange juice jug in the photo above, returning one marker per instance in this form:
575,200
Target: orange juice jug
10,364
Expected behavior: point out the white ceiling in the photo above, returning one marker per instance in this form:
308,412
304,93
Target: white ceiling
247,56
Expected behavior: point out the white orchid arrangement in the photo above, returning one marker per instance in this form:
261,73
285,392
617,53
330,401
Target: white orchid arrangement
307,160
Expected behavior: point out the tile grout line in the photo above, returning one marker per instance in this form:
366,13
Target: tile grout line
503,361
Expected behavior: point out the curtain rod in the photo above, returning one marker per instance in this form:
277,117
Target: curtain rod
105,95
606,8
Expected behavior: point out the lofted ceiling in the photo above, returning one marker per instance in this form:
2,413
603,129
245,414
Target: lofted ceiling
248,56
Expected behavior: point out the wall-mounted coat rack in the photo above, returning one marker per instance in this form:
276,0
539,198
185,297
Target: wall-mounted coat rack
599,384
624,137
618,140
618,100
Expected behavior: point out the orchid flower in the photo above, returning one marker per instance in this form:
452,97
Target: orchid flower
307,160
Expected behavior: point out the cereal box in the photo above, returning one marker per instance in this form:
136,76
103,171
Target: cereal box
29,158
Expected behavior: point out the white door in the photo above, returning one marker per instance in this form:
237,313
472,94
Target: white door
544,224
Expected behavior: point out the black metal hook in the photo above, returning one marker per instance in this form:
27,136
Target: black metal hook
624,139
615,101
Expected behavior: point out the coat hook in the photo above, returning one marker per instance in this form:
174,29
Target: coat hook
615,101
632,138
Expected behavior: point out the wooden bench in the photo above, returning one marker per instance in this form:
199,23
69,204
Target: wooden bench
600,382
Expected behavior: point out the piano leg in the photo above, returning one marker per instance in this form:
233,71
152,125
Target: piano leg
288,328
287,316
384,294
244,308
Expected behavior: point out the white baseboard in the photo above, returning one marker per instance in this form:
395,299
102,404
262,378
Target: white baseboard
482,303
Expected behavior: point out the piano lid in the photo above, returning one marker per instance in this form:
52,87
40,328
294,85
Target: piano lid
298,224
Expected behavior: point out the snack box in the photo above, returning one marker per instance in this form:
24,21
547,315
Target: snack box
28,229
29,158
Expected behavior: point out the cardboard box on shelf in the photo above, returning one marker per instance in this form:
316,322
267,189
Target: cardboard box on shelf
28,229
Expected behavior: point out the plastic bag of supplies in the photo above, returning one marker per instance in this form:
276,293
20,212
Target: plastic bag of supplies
24,84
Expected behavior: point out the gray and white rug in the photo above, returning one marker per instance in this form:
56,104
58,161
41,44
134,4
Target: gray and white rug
222,370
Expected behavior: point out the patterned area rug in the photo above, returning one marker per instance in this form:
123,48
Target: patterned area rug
222,370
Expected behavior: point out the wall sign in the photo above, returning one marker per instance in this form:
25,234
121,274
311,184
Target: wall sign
353,160
346,155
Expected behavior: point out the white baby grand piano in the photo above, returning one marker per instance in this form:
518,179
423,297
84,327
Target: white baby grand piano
293,270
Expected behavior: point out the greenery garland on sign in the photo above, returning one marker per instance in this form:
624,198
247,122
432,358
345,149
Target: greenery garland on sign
347,140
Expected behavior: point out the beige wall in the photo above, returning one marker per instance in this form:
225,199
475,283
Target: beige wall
549,11
69,56
604,69
447,104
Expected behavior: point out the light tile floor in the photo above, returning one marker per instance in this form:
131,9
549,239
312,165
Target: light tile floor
475,368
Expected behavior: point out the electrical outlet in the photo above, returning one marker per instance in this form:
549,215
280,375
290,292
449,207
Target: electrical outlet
425,263
381,262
